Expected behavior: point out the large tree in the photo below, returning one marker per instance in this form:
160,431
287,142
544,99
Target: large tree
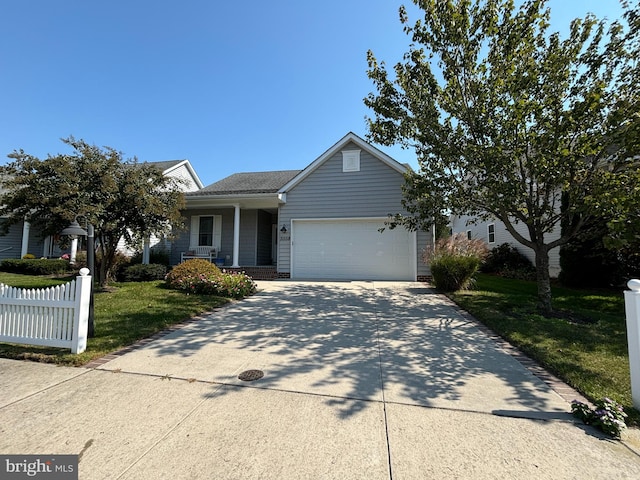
507,119
120,198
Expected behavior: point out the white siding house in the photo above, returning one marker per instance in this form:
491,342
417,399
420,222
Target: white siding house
494,233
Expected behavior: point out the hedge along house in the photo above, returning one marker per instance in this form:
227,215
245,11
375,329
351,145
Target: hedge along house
322,222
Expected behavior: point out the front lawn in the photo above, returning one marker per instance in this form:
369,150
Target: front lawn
128,313
585,344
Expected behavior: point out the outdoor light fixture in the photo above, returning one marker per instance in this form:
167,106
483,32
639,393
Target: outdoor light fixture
74,230
284,228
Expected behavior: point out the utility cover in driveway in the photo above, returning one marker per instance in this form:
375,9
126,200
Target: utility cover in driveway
351,249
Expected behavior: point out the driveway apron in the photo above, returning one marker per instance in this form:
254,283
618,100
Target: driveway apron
360,380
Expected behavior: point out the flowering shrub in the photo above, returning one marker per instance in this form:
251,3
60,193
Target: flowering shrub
453,261
201,276
608,415
191,271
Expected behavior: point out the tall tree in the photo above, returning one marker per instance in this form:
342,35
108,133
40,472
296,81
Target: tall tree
506,118
121,198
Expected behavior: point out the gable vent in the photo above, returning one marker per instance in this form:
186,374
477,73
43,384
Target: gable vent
351,160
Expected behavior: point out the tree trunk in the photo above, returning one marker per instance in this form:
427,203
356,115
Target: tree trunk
542,278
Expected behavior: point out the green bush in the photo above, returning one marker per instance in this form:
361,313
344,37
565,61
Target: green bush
507,261
203,277
35,266
452,273
157,256
143,273
190,271
454,261
227,284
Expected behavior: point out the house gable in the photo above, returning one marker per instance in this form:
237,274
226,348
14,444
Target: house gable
349,143
181,170
352,183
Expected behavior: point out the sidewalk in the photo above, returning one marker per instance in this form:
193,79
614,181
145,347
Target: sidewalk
361,380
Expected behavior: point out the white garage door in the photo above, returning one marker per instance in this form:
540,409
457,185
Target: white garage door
351,249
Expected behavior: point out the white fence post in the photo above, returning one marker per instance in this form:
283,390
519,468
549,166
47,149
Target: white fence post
632,307
81,312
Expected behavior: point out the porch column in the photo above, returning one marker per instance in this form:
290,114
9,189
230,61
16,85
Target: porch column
236,236
146,253
24,249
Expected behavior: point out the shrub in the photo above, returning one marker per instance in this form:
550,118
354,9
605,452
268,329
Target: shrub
28,256
236,285
453,261
157,256
203,277
119,263
227,284
81,260
507,261
191,271
451,273
35,266
608,415
143,273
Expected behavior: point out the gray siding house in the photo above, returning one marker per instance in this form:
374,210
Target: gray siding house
322,222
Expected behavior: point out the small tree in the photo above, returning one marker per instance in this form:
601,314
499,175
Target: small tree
506,118
120,198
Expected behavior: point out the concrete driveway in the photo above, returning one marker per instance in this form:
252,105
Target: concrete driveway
361,380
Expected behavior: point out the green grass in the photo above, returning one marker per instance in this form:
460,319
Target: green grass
585,344
32,281
127,313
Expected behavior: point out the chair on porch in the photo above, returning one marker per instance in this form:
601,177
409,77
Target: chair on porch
206,253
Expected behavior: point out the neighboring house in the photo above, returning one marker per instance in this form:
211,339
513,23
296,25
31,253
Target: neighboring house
494,233
188,182
321,222
23,239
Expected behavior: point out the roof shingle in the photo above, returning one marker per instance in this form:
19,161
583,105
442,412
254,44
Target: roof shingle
249,182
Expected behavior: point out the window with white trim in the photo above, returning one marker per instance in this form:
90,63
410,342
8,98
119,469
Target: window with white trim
351,160
491,233
206,231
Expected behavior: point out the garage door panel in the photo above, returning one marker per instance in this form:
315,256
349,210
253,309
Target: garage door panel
351,249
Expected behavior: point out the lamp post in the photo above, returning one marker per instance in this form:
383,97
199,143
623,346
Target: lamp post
75,229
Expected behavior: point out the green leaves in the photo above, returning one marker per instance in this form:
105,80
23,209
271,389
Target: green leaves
122,199
506,116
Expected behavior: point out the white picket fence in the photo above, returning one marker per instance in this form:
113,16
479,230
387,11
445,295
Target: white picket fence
52,317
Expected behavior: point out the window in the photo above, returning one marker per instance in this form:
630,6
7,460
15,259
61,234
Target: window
491,231
468,234
205,232
351,160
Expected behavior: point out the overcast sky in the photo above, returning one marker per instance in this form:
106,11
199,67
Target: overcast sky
233,86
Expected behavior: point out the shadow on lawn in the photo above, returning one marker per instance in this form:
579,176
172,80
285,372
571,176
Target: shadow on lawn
355,344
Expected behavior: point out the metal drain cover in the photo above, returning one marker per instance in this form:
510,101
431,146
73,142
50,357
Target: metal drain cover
251,375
